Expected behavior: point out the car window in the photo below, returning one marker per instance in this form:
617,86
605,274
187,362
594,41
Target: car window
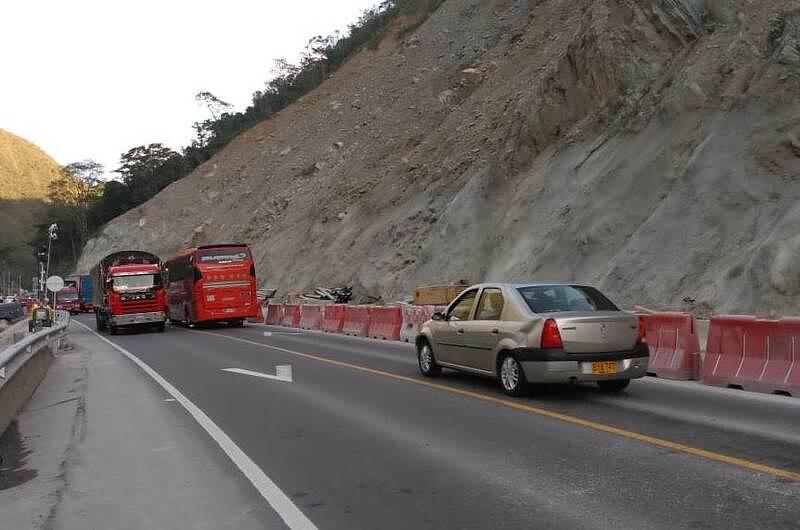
490,306
556,298
462,308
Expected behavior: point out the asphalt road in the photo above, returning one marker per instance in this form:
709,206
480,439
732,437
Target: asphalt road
359,440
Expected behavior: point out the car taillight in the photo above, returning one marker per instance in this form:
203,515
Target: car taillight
641,336
551,338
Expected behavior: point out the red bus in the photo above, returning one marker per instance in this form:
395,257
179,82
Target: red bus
212,283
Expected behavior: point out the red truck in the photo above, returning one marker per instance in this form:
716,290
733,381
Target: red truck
67,300
128,290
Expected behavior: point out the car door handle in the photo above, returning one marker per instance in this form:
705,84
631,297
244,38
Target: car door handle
495,331
461,331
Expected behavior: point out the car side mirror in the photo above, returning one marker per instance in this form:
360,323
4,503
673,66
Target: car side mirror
438,316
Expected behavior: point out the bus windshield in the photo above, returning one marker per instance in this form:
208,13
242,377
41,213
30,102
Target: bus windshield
135,282
222,256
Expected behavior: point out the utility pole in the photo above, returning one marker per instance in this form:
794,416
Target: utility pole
44,270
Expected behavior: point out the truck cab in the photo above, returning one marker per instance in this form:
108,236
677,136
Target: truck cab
129,291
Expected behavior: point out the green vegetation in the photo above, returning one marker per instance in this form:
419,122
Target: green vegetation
146,170
25,175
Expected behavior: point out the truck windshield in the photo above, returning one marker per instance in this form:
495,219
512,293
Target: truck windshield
135,283
557,298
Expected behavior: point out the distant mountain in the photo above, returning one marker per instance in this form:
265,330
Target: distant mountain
25,174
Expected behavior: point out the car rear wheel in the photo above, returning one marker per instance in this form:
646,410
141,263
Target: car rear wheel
427,363
512,376
614,385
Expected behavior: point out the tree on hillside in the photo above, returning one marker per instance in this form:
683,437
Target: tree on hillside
147,169
71,201
115,200
87,170
214,105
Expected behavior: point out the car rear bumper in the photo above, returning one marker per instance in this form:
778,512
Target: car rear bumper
139,318
558,366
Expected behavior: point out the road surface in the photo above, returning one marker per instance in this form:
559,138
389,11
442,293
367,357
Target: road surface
358,439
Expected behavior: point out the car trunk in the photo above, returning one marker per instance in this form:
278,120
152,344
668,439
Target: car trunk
597,332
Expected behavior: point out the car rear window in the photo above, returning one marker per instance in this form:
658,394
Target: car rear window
558,298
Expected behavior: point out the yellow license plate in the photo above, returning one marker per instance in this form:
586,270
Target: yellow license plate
604,367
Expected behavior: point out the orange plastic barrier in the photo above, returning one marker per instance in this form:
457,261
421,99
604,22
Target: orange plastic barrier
291,315
413,318
333,318
385,322
674,345
310,316
356,320
274,315
753,354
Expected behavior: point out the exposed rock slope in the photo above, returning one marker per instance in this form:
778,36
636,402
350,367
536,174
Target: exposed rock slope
650,146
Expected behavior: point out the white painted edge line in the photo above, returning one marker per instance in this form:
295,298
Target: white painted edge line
284,373
280,502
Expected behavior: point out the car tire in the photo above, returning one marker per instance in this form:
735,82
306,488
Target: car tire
614,385
511,376
112,329
428,366
161,326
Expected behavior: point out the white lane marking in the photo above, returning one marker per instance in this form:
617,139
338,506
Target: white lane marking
280,502
271,333
283,373
169,400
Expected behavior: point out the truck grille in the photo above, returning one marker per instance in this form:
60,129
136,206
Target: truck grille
140,306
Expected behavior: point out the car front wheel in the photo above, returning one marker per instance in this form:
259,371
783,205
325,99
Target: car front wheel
427,363
512,376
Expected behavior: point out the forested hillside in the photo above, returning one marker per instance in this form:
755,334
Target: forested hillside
25,176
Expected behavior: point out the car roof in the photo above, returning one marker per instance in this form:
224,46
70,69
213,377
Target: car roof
518,285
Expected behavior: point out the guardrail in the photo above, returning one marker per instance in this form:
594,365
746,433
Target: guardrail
23,366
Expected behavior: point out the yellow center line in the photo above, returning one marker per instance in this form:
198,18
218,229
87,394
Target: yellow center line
660,442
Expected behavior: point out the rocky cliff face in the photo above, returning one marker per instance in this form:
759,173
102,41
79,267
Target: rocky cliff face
649,146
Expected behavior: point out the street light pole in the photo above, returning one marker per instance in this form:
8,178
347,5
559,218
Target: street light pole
52,234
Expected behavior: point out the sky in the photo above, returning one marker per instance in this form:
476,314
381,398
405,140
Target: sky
93,78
